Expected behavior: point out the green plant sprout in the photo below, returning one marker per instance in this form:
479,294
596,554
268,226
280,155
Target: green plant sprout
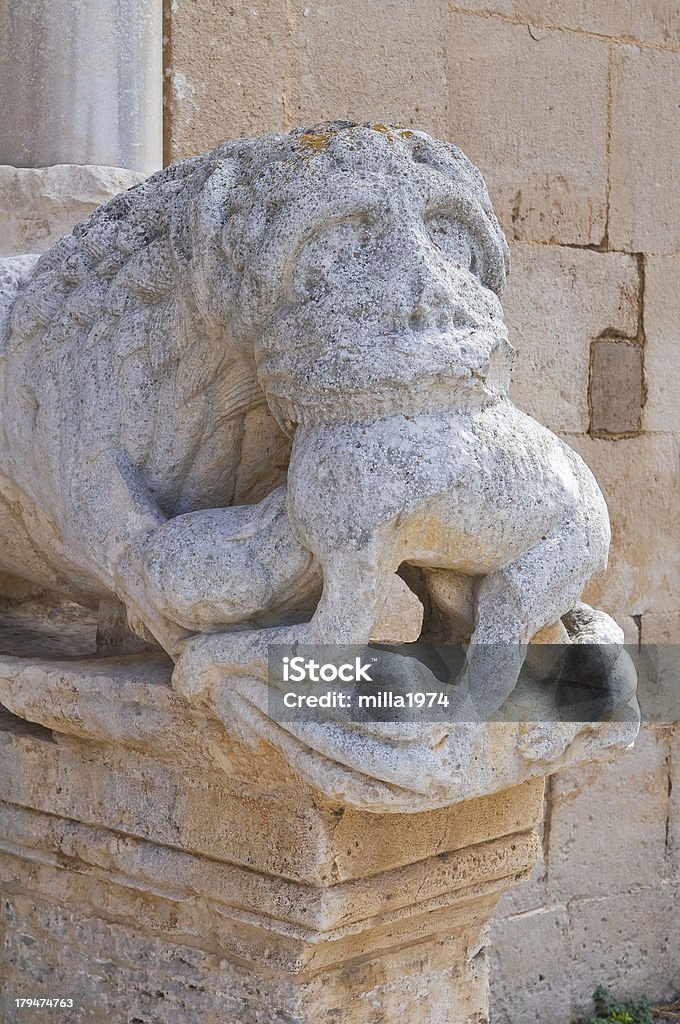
609,1011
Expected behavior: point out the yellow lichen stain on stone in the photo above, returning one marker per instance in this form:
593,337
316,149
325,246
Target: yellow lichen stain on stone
392,131
315,143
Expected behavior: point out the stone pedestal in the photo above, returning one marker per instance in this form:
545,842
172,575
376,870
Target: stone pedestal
155,868
148,884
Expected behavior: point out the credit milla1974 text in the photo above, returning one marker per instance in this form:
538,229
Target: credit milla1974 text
383,699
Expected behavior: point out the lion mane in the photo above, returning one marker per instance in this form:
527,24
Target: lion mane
154,302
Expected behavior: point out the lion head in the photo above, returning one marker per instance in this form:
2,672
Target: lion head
365,261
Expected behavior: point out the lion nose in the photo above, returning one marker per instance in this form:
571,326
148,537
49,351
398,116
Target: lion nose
434,303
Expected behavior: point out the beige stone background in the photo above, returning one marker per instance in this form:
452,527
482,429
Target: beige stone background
571,110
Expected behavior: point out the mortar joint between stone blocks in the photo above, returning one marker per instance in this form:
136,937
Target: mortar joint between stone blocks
518,19
669,804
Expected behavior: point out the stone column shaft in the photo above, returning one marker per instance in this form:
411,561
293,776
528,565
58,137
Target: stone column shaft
81,83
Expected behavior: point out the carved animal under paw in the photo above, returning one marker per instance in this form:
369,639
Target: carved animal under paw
279,367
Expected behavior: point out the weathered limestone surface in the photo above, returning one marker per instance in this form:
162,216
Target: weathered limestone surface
188,872
673,839
129,966
653,23
538,129
662,345
534,947
197,448
590,808
639,477
632,966
644,186
273,65
39,205
506,7
555,935
336,60
643,106
610,873
616,387
225,67
558,301
660,628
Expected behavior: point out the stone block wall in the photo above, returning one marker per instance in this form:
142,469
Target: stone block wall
570,110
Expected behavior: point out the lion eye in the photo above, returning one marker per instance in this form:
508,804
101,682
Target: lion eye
453,240
333,246
315,283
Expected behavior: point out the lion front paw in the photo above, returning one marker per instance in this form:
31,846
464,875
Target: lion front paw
213,658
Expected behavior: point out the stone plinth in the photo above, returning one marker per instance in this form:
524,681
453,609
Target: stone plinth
155,866
150,882
39,205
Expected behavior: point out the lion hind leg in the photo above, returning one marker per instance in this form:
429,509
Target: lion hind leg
228,566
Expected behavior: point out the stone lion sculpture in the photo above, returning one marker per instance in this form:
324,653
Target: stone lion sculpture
243,394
